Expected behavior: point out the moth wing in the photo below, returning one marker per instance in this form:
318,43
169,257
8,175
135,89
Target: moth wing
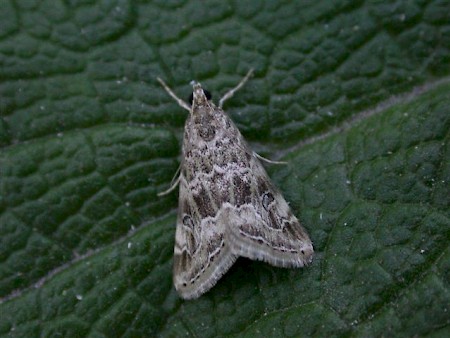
263,227
201,254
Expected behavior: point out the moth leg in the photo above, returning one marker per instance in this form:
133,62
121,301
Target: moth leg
231,92
267,160
174,96
168,191
173,184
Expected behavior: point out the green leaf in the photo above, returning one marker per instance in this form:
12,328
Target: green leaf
354,95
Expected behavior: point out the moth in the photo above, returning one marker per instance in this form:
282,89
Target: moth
228,207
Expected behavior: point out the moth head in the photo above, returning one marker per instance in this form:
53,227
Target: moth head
199,95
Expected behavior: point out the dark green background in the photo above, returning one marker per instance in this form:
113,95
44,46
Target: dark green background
355,95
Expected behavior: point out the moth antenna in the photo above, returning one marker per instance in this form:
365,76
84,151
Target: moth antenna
231,92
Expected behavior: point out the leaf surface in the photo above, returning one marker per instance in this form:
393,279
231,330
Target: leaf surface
354,95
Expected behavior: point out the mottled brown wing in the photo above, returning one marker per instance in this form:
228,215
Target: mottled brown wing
201,253
264,227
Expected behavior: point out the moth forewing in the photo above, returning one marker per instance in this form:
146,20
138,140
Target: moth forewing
228,206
